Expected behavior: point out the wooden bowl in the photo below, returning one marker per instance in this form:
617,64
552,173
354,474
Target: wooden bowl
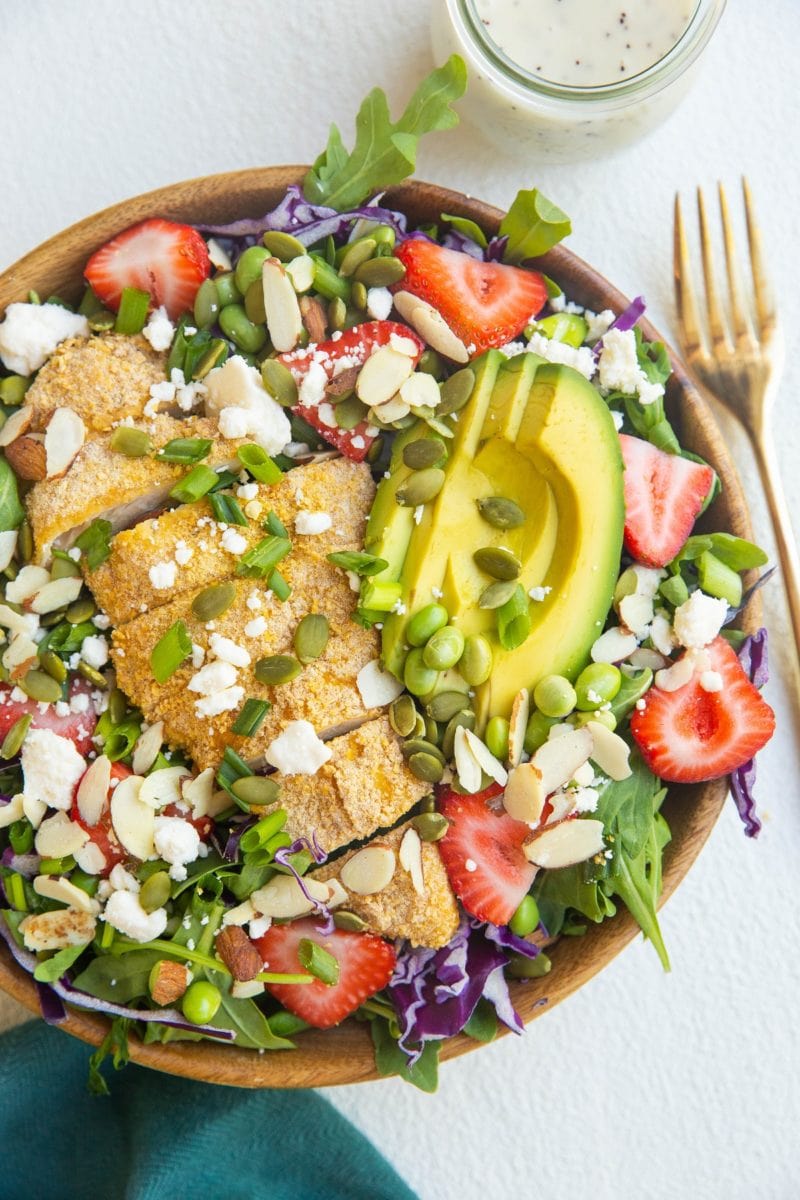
345,1055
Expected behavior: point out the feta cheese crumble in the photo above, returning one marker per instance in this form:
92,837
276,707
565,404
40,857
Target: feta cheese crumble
159,330
580,358
31,332
162,575
124,912
698,620
178,843
238,385
312,522
233,541
619,370
94,651
51,768
297,750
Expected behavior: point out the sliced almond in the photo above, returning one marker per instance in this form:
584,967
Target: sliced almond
163,787
336,893
393,410
28,457
301,272
16,425
487,762
613,646
518,725
240,915
33,810
647,579
431,326
20,656
283,897
382,375
584,776
284,319
169,981
148,744
410,855
566,844
57,929
201,795
90,858
92,794
661,634
562,804
11,812
17,622
342,384
636,613
420,390
8,544
369,870
467,768
676,676
30,580
59,888
609,751
524,796
247,990
133,820
650,659
58,593
63,441
58,837
559,759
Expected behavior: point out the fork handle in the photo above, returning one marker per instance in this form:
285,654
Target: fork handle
767,461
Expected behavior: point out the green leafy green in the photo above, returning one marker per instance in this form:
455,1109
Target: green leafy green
468,228
119,978
533,225
482,1025
245,1018
53,968
115,1043
12,514
390,1059
95,542
384,153
734,552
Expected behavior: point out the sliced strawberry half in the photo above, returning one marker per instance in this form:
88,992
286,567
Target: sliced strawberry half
691,734
168,260
663,495
484,303
77,726
102,834
482,854
366,963
350,350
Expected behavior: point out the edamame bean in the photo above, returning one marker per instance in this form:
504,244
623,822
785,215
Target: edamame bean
227,291
444,648
603,715
475,664
235,324
537,731
597,684
201,1002
496,737
521,967
417,676
526,918
249,266
425,623
555,696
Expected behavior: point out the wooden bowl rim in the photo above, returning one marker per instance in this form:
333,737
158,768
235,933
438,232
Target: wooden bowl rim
345,1055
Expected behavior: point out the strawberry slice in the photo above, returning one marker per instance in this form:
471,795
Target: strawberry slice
350,350
102,834
77,726
485,304
167,260
692,735
482,854
366,963
663,495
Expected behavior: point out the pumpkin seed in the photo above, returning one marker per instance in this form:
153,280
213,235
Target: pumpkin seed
419,745
283,245
155,891
117,706
426,767
380,272
337,313
254,303
213,601
82,609
206,304
54,666
358,295
355,255
375,450
419,726
497,562
428,803
500,512
431,826
421,487
256,789
93,676
496,594
12,742
431,731
25,542
311,637
279,382
349,921
210,358
445,706
430,363
277,669
40,686
133,443
465,718
456,391
64,568
52,618
423,453
350,412
403,716
102,321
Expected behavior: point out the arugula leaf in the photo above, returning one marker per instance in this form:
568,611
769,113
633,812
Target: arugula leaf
115,1043
53,968
533,225
390,1059
12,514
637,881
119,978
482,1025
384,153
245,1018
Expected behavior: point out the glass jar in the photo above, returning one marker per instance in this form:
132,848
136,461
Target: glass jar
524,113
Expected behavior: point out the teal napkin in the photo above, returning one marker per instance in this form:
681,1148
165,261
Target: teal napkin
160,1138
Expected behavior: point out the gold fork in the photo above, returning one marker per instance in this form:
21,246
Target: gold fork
740,361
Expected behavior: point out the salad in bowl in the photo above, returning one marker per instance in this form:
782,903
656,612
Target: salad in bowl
356,619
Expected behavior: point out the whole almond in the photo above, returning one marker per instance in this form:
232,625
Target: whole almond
170,981
315,318
238,953
342,384
27,457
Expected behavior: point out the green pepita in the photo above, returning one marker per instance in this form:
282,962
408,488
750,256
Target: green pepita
465,718
256,789
25,542
497,562
82,609
213,601
277,669
279,382
423,453
133,443
52,618
96,677
403,716
210,358
337,313
283,246
445,706
311,637
64,568
380,272
500,512
117,706
431,733
155,891
349,921
358,295
350,412
254,302
42,687
456,391
12,742
426,767
421,487
431,363
54,666
431,826
496,594
355,255
421,746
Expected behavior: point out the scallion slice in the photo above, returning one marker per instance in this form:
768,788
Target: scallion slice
226,508
95,542
185,450
514,620
132,313
194,485
318,961
279,586
249,720
170,651
275,525
259,463
358,562
260,562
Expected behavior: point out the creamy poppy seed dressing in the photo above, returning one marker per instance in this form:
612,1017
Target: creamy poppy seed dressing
585,43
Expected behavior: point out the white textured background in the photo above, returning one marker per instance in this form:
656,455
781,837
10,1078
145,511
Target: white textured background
642,1085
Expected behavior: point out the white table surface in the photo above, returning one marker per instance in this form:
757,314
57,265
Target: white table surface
643,1084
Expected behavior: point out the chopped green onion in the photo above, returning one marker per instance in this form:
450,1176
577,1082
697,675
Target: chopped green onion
250,718
275,525
231,769
225,479
261,561
56,866
106,939
185,450
15,890
259,463
200,480
257,836
318,961
21,835
283,977
170,651
279,586
514,620
132,312
358,562
226,508
133,443
381,597
95,542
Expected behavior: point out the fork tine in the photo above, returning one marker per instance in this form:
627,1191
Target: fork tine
716,324
685,298
742,330
765,310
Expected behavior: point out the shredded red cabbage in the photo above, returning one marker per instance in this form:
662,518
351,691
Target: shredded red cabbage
626,320
23,864
754,658
51,1005
230,851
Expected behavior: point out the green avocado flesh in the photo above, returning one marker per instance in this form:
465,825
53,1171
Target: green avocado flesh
540,435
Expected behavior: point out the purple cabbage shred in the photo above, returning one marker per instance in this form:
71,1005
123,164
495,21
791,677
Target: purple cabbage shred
753,656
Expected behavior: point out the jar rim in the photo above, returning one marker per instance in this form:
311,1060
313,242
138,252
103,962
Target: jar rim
679,57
